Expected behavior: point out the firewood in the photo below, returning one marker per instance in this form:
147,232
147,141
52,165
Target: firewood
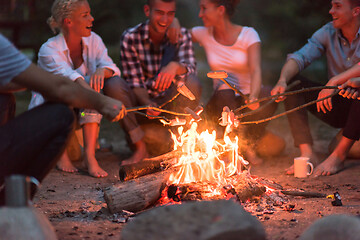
148,166
304,194
136,194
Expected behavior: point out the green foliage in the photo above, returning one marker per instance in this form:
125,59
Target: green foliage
283,25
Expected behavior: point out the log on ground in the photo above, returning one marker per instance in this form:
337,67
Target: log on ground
136,194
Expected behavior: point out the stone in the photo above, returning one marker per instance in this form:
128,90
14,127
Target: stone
203,220
24,223
157,139
354,150
270,145
334,227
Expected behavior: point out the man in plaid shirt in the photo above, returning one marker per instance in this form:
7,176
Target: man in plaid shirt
153,66
147,64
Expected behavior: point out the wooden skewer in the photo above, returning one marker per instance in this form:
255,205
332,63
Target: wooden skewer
287,112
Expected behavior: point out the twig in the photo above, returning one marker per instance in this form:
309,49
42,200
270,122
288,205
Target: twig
304,194
134,109
234,88
172,99
286,94
289,111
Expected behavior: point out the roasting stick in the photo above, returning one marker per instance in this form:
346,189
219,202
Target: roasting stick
289,111
288,93
222,75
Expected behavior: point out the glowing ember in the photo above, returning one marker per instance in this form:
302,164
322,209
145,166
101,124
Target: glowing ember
204,158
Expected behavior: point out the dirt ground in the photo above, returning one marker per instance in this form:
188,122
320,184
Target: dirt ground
75,206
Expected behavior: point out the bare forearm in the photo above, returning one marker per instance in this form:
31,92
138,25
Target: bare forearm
11,87
341,78
108,73
289,70
255,86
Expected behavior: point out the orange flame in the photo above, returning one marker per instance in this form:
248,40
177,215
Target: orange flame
204,158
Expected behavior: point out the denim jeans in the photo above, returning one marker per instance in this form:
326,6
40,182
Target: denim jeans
344,114
31,143
227,97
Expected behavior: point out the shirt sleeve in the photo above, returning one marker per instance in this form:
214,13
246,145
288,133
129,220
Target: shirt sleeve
312,50
12,61
186,55
200,33
52,60
102,57
251,37
131,67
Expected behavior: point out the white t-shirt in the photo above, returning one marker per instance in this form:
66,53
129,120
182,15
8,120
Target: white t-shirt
233,59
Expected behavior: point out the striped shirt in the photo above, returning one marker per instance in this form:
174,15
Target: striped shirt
12,61
140,58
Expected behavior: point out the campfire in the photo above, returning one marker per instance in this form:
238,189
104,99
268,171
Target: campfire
200,167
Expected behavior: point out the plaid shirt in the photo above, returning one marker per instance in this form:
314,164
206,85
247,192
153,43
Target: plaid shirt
140,59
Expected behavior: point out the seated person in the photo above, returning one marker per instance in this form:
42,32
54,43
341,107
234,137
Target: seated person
80,54
237,50
152,66
339,41
29,145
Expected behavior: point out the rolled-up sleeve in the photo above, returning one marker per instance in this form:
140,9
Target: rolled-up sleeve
131,66
311,51
52,61
102,58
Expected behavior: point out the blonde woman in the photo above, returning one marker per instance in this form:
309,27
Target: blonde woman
79,54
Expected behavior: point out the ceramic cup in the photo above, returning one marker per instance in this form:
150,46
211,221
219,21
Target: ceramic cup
301,167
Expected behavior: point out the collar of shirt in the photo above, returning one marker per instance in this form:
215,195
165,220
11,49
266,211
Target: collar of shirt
62,45
341,36
145,33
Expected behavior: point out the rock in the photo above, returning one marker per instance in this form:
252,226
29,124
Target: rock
205,220
270,145
24,223
354,150
157,139
333,227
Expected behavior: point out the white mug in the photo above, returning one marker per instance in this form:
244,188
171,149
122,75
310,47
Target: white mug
301,169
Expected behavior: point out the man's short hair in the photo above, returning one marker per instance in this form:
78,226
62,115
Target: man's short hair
354,3
150,2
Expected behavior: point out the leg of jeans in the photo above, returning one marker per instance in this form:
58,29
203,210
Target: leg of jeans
117,88
193,84
7,107
352,125
298,120
214,108
31,143
255,131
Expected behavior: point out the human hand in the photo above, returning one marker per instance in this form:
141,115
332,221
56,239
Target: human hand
279,88
253,106
97,79
151,111
350,89
165,77
174,31
327,103
112,109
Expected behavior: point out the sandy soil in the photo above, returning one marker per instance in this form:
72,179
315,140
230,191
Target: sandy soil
75,206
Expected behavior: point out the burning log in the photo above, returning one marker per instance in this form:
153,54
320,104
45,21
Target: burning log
246,188
136,194
148,166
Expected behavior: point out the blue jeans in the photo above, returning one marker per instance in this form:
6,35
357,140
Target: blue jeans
227,97
31,143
